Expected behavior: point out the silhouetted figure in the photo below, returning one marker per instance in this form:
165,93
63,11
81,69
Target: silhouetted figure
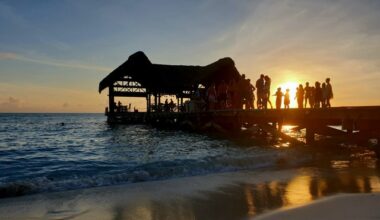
287,99
166,106
250,96
243,90
279,96
118,106
260,91
115,107
300,95
330,94
312,96
267,84
308,94
171,105
318,95
247,92
222,94
211,97
324,95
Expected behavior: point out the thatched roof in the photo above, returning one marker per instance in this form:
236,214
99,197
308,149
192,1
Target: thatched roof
170,78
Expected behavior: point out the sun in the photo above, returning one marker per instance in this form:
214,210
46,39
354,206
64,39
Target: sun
292,86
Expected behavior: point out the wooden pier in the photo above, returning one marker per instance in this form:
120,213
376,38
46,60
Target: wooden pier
359,121
138,77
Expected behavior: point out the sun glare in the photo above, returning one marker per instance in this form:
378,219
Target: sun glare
292,86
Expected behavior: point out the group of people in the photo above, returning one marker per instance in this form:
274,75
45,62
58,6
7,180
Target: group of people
169,106
316,96
263,92
240,94
232,95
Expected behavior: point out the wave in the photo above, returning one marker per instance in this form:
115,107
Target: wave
152,171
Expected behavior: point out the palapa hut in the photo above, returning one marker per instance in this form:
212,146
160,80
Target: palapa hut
138,77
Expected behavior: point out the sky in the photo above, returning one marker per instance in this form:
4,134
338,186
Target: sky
53,54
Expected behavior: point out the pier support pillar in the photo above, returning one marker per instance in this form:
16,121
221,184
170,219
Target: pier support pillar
111,100
310,135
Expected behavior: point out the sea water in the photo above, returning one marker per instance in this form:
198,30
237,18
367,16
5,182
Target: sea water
57,152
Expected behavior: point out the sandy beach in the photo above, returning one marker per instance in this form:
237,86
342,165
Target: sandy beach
342,206
286,194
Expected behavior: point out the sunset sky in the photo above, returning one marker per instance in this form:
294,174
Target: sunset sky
54,53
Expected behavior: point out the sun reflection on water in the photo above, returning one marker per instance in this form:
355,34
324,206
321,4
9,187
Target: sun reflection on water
298,191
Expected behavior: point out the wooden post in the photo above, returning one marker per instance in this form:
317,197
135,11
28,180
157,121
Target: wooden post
310,135
348,124
111,100
178,105
155,101
148,102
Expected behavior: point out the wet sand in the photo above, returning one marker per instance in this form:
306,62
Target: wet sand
238,195
339,207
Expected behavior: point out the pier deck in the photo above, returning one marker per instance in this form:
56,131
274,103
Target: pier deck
358,120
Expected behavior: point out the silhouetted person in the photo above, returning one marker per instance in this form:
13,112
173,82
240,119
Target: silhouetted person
166,106
260,91
308,94
324,95
279,96
243,90
114,107
300,95
318,95
250,96
312,97
330,94
287,99
266,96
171,105
118,106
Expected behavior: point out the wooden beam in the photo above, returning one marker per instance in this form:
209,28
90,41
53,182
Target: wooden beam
130,94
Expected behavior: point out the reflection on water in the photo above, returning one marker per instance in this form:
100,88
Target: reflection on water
298,191
244,200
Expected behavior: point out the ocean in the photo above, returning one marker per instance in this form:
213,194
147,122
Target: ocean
76,166
58,152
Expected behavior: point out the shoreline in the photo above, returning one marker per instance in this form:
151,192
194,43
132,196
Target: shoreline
234,195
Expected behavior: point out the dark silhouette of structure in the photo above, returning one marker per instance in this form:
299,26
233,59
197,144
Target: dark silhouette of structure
138,77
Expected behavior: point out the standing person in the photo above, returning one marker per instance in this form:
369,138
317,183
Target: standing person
171,105
300,95
166,106
308,94
318,95
287,99
266,94
312,97
244,90
279,96
330,94
324,95
250,99
260,90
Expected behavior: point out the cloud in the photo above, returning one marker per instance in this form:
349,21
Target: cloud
10,104
51,62
7,56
